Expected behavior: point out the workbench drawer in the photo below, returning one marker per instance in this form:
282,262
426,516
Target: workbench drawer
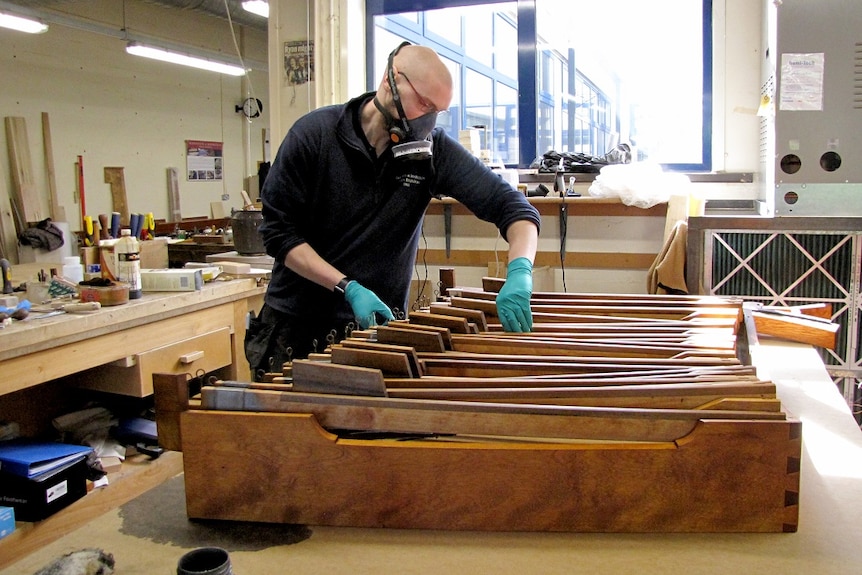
133,375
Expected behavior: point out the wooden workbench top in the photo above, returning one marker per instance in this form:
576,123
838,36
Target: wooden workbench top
33,334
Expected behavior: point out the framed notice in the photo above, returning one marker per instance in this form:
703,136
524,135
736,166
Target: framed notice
204,160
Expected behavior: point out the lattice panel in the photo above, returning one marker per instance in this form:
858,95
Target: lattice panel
795,268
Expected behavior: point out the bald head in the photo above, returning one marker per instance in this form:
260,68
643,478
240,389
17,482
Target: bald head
428,75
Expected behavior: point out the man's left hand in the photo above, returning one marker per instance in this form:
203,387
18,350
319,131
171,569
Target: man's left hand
513,301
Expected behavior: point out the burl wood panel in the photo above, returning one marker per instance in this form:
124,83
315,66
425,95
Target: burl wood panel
726,476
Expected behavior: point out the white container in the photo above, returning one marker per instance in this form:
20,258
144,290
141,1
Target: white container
73,270
128,256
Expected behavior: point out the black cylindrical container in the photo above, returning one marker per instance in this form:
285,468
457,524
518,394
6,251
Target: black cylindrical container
205,561
246,237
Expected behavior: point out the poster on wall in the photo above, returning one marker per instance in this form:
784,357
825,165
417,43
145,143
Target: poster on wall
299,62
203,160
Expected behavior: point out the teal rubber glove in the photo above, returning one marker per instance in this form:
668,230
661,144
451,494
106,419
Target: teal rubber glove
366,305
513,301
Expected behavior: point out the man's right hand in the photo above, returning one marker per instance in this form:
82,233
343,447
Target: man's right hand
366,305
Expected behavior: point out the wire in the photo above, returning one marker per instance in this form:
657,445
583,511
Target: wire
238,53
564,228
423,282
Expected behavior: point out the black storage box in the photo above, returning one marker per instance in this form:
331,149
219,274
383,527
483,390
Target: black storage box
39,497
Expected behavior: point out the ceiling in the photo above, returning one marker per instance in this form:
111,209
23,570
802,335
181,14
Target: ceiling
214,8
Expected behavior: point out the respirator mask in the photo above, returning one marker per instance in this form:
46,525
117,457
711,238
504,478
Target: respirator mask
410,138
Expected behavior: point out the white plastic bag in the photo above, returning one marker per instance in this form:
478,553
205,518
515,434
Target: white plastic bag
641,184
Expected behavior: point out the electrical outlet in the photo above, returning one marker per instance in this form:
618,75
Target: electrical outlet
225,197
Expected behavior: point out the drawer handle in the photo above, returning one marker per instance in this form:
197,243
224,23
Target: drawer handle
191,357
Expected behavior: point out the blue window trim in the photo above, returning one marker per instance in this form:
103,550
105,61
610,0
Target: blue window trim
527,70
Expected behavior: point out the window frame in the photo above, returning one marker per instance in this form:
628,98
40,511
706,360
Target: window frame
528,62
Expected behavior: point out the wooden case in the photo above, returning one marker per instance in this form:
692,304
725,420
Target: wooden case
725,476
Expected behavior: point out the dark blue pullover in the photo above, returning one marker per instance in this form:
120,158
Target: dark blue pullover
364,214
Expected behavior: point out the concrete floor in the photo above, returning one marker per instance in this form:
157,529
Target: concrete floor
149,534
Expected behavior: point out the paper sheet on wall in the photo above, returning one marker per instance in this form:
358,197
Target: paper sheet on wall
802,82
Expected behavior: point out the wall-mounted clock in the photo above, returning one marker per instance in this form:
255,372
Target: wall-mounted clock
250,108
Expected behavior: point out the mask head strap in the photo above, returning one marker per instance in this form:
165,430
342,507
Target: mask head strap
396,133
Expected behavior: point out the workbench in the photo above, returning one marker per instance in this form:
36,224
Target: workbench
151,533
35,351
116,349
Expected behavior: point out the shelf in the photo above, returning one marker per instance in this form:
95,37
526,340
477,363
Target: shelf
137,475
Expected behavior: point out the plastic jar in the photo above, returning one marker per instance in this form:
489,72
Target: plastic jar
128,257
73,270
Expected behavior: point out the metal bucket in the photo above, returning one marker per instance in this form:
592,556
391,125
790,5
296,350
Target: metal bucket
246,237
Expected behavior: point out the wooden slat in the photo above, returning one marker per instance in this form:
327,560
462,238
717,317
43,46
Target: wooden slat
573,348
664,396
319,377
390,363
117,180
58,212
472,315
812,331
174,209
25,195
474,418
408,351
452,323
426,339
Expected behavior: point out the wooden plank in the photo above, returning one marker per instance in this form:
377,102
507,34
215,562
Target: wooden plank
663,396
25,195
813,331
408,351
502,365
390,363
58,212
725,476
171,397
471,315
400,333
117,180
452,323
320,377
484,344
174,210
428,416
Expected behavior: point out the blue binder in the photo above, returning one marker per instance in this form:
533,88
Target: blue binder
30,458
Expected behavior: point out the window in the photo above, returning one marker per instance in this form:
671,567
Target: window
599,74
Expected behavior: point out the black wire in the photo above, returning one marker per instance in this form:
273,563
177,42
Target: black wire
417,304
564,226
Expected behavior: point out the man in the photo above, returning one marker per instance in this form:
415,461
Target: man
343,205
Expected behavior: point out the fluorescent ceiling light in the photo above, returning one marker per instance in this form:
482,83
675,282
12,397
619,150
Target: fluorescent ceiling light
22,24
259,7
184,59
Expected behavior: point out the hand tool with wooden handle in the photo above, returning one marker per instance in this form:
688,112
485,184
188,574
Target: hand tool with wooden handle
105,232
6,269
